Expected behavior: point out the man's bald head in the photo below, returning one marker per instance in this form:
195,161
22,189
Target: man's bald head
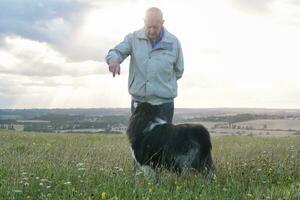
153,22
154,12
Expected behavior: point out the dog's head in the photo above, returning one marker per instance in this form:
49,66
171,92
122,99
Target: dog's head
142,115
147,109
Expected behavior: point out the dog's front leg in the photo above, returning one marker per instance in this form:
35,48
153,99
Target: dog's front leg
149,173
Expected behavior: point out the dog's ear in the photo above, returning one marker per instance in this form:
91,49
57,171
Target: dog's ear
154,110
147,108
141,107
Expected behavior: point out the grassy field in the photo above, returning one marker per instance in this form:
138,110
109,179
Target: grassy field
78,166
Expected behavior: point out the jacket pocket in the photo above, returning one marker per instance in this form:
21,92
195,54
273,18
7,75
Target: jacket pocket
169,57
166,66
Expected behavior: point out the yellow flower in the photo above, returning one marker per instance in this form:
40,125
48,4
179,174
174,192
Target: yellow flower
103,195
73,189
28,197
249,195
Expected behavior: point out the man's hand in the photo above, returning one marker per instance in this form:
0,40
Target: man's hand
114,67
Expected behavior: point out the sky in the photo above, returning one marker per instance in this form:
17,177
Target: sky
237,53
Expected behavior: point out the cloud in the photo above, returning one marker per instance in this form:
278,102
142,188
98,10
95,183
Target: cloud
62,23
51,21
31,58
254,6
283,11
17,91
35,75
287,12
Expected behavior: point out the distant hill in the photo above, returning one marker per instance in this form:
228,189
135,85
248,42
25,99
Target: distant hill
37,113
116,119
179,112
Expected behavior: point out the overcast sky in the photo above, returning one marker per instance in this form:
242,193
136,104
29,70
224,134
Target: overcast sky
238,53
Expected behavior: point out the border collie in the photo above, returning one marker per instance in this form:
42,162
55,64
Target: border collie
158,144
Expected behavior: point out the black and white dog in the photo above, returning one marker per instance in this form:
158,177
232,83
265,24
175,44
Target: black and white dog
155,143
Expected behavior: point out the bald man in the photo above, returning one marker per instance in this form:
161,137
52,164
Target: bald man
156,63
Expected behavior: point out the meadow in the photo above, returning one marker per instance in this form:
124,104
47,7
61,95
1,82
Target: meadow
99,166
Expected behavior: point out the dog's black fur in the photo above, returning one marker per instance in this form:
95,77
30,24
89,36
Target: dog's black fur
161,146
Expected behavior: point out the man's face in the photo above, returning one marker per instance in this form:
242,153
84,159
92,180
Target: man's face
153,24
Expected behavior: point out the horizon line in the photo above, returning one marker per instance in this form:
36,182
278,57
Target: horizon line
69,108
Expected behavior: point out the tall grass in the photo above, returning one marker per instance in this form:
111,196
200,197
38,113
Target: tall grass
90,166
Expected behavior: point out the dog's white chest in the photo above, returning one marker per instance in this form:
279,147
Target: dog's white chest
152,124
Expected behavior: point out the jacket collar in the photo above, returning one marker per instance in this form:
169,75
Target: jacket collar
141,34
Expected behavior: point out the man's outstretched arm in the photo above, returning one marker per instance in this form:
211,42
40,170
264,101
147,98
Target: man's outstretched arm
118,54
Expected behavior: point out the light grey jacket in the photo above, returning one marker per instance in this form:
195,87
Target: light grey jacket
153,72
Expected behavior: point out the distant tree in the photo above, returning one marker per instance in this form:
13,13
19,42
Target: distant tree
108,128
11,127
265,126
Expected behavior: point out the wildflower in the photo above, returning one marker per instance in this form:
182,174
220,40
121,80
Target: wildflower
249,195
67,183
41,184
73,189
81,169
18,191
28,197
119,169
48,187
26,184
103,195
79,164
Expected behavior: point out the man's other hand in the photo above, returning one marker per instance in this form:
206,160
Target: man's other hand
114,67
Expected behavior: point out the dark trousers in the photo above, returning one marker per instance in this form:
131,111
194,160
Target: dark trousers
166,110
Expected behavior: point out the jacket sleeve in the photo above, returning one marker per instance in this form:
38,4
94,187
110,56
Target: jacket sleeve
121,51
179,65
